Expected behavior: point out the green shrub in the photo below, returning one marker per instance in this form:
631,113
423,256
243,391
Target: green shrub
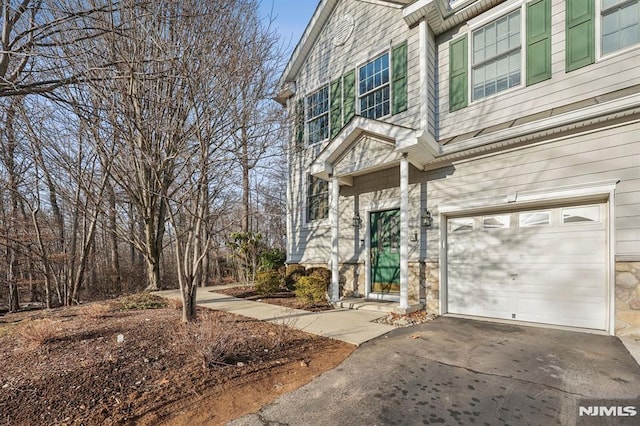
268,282
311,290
292,274
272,258
322,273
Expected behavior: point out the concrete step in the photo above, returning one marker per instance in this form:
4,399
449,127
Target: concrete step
367,305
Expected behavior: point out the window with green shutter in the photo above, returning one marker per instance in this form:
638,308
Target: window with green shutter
580,34
336,106
538,41
458,97
318,115
399,75
349,91
374,88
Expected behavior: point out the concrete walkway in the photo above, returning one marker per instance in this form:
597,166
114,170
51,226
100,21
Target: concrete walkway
348,325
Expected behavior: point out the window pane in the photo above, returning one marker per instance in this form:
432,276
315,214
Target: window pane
534,219
496,221
498,45
478,47
317,199
581,214
374,88
608,3
318,119
461,225
620,26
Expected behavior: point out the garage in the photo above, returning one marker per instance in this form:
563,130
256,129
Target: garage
546,265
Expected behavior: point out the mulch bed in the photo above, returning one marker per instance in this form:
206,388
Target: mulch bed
281,298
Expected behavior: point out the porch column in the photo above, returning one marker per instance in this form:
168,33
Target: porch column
404,232
334,217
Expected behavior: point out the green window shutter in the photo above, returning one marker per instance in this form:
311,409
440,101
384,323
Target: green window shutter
399,73
336,107
349,101
538,41
458,85
299,121
580,34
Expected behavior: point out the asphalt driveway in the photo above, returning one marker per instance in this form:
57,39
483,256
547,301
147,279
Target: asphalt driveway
456,371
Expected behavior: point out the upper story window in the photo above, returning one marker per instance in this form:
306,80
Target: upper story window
377,89
620,24
318,115
373,83
513,50
317,199
496,58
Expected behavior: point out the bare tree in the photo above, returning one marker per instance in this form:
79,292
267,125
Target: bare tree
256,118
34,36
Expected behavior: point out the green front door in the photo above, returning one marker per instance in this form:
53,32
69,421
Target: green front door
385,251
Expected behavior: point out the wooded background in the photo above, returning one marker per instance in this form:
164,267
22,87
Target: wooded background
139,147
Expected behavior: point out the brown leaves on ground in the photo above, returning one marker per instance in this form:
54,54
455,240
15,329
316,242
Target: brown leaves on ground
66,366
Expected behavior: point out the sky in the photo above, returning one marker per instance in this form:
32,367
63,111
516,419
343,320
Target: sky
290,18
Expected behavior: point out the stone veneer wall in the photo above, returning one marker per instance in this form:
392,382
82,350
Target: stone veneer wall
352,279
627,298
432,281
424,282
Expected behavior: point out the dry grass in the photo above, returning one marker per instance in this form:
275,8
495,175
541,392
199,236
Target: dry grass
214,343
140,301
98,310
39,331
175,304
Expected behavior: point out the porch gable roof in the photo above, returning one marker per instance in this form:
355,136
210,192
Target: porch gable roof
419,145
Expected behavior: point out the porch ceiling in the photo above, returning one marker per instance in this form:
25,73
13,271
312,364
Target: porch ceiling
365,145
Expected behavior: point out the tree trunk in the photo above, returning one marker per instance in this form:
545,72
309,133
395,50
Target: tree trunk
244,164
189,291
14,295
152,257
116,279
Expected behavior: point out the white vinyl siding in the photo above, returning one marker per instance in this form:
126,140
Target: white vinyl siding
378,27
620,26
496,58
611,154
608,74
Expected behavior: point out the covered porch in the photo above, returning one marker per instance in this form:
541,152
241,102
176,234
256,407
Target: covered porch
385,239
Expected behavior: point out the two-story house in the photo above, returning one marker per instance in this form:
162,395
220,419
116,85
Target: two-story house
474,157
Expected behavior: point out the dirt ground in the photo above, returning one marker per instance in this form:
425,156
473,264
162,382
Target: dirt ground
98,364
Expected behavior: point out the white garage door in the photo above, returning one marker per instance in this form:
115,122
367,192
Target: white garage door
546,266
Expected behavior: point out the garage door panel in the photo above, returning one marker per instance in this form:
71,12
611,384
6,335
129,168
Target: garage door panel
586,313
552,273
481,303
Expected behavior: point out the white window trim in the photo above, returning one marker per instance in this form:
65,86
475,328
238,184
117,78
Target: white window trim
495,13
481,21
359,65
598,36
315,223
307,134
